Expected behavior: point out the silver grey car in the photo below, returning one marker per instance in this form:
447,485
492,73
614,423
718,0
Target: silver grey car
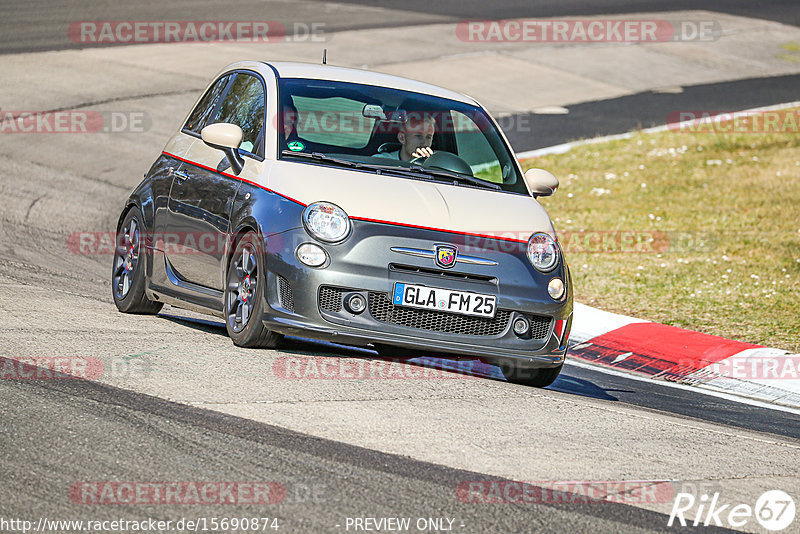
354,207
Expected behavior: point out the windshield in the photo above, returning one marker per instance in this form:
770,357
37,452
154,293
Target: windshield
391,129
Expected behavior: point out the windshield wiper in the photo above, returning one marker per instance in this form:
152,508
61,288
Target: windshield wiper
420,171
463,178
415,171
318,156
380,169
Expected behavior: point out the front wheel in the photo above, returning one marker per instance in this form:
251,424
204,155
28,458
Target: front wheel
520,373
127,274
244,296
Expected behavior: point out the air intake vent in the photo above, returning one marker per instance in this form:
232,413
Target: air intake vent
330,299
285,297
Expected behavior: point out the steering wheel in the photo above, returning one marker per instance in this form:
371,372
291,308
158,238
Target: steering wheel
446,161
389,147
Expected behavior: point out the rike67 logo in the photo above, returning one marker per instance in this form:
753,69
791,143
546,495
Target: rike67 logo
774,510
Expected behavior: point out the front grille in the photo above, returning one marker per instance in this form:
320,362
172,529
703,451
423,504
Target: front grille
438,273
330,299
383,310
285,297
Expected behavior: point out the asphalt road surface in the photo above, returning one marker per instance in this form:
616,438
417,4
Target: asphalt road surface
134,437
647,109
37,25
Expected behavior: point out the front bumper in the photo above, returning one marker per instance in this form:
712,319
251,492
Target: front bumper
299,298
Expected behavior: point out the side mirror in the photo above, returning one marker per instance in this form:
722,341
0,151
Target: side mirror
226,137
540,182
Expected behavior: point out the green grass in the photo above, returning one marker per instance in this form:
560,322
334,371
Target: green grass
724,212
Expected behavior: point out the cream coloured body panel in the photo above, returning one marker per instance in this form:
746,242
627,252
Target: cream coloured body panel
404,201
179,144
201,153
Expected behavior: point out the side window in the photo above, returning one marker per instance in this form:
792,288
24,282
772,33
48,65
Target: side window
205,108
475,149
243,105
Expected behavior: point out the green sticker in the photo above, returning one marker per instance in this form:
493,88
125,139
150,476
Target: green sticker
296,146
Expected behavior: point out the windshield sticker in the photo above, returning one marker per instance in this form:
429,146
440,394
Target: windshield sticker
296,146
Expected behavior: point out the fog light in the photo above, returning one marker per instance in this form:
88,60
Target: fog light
556,288
521,326
311,255
355,303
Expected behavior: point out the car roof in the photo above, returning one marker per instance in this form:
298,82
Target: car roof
290,69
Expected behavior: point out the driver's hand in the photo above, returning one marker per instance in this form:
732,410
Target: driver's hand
423,152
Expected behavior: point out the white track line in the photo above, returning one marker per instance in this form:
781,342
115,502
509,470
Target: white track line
696,389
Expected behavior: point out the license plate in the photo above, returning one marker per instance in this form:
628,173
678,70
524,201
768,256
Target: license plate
433,298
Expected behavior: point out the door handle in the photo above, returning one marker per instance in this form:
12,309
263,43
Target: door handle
181,175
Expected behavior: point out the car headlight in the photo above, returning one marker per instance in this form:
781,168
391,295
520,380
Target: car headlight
542,252
327,222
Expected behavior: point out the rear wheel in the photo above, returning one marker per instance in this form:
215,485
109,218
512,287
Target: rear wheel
127,274
530,376
244,296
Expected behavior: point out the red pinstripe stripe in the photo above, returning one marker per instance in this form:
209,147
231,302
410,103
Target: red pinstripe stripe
408,225
190,162
365,219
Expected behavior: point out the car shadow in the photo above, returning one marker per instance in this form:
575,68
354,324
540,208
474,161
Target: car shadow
578,386
468,367
204,325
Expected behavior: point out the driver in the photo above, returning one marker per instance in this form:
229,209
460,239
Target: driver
415,136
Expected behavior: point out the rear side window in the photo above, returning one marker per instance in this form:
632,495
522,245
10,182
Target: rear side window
243,105
205,108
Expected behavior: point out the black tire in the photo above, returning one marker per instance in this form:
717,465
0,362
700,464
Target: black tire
520,373
127,269
244,298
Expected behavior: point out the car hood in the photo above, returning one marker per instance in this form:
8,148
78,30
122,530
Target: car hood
395,200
